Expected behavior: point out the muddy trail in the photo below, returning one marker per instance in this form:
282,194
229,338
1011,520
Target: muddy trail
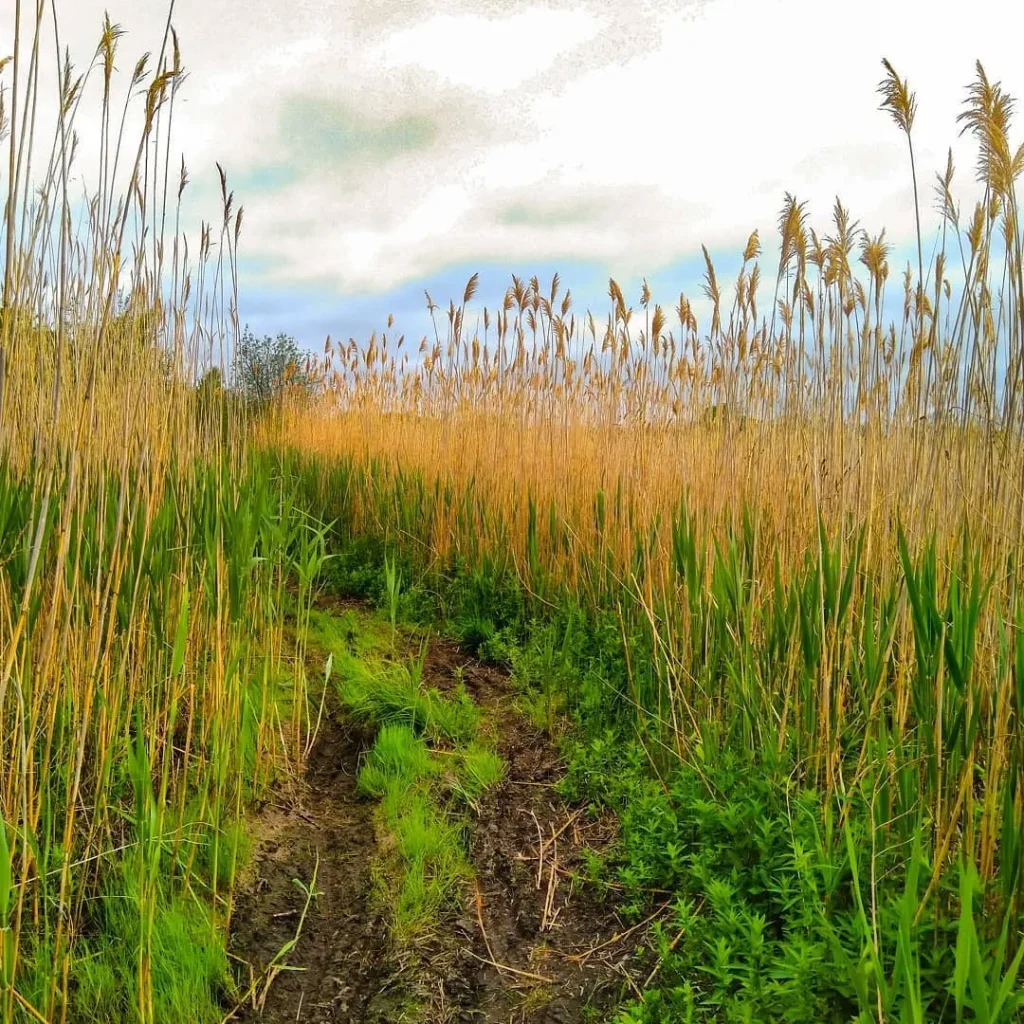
318,833
530,945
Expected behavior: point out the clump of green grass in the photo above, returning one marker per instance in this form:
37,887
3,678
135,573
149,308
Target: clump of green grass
477,768
426,751
188,964
332,632
351,631
398,761
544,708
422,860
422,863
395,694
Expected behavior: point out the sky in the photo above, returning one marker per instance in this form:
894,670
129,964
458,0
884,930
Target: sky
386,147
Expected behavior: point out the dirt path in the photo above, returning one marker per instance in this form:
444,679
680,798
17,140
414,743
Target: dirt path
523,948
530,944
339,966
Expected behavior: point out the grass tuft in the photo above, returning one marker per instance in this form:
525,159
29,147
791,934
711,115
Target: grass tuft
394,694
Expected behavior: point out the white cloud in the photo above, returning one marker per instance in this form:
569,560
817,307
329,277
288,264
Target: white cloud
382,139
489,55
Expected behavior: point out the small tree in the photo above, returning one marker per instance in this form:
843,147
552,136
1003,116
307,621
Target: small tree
264,367
212,403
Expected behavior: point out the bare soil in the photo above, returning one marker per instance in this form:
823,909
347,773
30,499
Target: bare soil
339,968
531,944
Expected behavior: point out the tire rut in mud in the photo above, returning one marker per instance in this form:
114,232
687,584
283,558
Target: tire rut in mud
339,968
531,946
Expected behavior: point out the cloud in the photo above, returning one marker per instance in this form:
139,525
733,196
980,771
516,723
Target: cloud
488,55
376,143
322,134
545,214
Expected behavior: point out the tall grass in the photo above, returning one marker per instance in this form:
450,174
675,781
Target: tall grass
144,693
804,520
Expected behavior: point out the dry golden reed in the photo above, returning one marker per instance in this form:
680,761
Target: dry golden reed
850,441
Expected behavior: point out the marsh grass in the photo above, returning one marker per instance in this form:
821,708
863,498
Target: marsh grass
791,533
144,556
422,862
777,551
395,694
422,865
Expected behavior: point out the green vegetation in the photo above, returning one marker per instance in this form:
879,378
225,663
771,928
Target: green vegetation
762,581
396,694
427,765
399,759
421,862
189,964
265,367
781,901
